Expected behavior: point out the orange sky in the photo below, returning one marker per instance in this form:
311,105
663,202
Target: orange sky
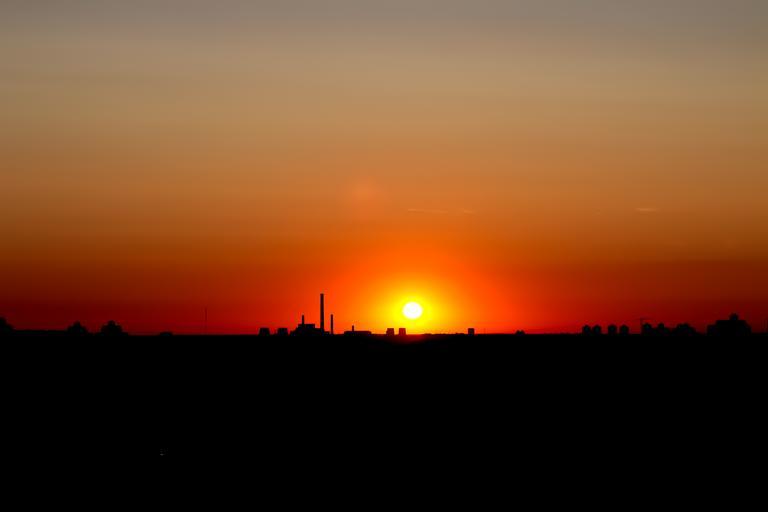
529,165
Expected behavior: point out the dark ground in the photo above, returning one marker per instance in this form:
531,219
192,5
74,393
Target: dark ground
277,401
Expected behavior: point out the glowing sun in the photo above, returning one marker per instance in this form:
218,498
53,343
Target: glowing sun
412,310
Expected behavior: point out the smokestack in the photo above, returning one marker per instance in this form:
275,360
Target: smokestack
302,319
331,323
322,312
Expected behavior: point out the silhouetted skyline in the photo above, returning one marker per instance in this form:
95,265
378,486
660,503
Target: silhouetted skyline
733,326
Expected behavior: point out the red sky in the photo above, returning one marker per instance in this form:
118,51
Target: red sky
529,165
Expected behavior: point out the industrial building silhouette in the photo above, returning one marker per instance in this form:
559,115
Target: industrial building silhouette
733,327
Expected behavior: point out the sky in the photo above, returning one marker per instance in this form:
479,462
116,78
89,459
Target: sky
529,165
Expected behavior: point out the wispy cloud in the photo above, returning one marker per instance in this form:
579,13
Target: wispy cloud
434,211
426,210
646,209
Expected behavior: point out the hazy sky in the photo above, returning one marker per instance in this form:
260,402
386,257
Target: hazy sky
530,164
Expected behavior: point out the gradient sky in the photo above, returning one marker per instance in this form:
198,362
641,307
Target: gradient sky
511,165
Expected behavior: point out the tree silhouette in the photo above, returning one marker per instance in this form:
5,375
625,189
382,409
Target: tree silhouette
77,329
112,328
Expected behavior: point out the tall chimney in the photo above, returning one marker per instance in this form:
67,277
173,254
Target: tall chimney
331,323
302,319
322,312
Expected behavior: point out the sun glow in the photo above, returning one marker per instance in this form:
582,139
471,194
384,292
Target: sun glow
413,310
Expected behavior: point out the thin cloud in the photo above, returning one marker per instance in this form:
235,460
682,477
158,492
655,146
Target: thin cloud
434,211
425,210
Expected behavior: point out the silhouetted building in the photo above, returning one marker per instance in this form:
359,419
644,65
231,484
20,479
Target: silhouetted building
390,331
401,331
112,328
595,330
734,326
613,330
649,330
264,331
684,330
624,330
353,332
322,312
519,333
662,330
305,329
282,331
471,331
77,329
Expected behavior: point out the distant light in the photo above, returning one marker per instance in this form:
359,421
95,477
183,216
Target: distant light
413,310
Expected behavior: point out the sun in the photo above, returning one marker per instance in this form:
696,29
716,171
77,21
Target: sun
413,310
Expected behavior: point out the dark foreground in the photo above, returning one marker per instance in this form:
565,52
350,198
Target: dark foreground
288,403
